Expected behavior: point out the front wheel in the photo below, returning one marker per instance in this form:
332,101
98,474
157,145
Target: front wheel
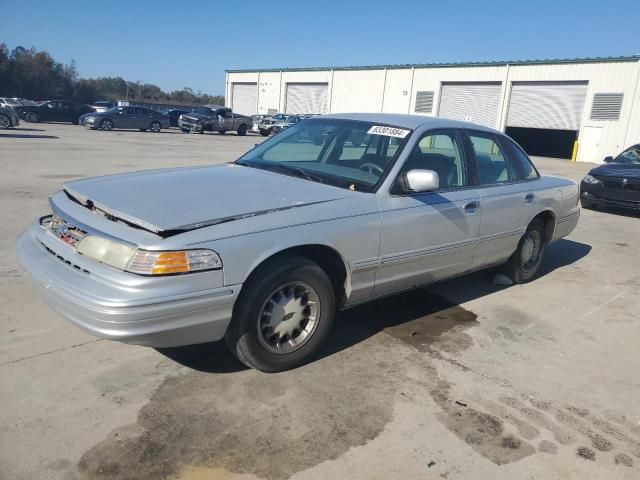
525,262
283,315
32,117
106,125
242,130
5,121
155,127
587,204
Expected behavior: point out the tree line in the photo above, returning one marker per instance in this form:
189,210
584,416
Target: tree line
35,75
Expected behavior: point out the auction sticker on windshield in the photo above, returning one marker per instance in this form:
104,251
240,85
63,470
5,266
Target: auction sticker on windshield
388,131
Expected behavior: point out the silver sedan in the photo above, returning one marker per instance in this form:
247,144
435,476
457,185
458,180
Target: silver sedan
333,212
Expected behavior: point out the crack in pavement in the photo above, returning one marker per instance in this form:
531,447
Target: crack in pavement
50,352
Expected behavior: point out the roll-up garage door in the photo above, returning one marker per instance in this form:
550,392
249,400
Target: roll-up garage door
549,105
245,98
471,102
307,98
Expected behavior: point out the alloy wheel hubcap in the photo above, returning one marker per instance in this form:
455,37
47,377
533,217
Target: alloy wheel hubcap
4,121
288,318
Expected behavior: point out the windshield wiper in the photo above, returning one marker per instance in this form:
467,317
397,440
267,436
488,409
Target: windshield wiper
299,172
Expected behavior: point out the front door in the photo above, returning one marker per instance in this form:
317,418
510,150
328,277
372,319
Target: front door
126,118
429,236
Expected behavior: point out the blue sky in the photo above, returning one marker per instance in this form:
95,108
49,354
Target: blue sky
181,43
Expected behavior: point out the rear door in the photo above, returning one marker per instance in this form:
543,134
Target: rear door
428,236
507,196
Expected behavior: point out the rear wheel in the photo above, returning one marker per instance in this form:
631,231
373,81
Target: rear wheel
264,132
155,127
525,262
283,316
106,124
32,117
242,130
5,121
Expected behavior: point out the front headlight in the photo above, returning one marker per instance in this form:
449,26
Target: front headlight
591,180
146,262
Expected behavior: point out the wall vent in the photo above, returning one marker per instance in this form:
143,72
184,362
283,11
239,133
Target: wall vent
424,102
606,106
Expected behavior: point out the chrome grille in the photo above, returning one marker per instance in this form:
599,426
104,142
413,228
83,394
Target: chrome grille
61,229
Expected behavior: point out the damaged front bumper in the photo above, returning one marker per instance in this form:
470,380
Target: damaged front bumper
143,310
193,127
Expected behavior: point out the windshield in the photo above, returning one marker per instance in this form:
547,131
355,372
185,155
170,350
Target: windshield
344,153
630,155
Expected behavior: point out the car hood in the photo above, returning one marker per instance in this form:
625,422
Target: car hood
626,170
197,116
171,201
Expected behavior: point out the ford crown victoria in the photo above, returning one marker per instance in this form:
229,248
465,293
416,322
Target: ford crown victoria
332,212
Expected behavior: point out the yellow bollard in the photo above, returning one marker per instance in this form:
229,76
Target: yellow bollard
574,154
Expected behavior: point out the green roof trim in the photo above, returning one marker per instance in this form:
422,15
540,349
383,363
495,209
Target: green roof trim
546,61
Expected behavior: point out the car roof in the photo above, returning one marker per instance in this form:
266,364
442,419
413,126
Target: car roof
407,121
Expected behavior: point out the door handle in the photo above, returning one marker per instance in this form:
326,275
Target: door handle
472,206
529,197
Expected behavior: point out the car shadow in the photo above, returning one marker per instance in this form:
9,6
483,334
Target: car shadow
418,316
23,135
23,129
621,212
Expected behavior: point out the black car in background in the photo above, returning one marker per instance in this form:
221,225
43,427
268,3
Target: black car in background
616,183
173,115
139,118
54,111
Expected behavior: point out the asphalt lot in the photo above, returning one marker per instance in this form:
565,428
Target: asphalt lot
461,380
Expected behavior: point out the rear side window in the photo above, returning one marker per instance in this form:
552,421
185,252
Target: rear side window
523,169
490,159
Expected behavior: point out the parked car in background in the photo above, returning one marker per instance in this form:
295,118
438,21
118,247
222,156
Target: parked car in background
9,103
8,118
263,251
127,118
54,111
103,106
214,118
287,122
616,183
174,114
266,122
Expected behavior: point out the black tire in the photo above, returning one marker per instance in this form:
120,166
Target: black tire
5,122
242,130
264,132
75,122
222,132
142,129
184,130
242,335
106,125
155,127
587,204
514,268
32,117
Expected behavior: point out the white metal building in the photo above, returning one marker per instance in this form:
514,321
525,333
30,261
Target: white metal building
589,108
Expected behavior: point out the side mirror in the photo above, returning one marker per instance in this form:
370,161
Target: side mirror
608,159
422,180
